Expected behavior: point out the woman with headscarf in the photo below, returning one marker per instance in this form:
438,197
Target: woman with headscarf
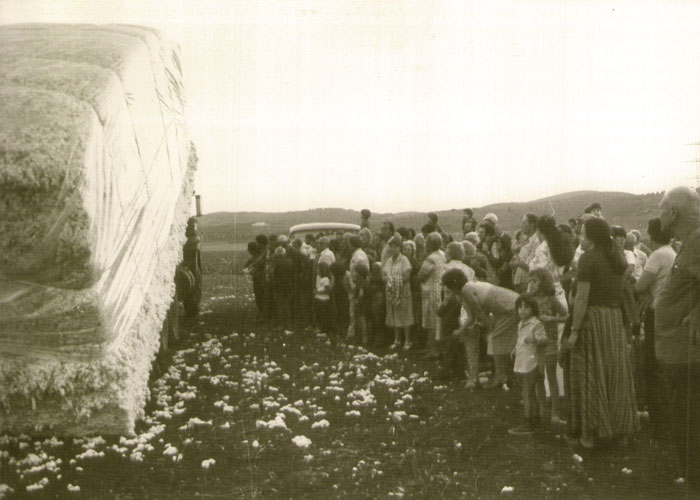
429,275
399,306
602,388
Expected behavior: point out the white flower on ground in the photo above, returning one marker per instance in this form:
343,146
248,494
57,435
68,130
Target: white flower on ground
352,413
90,454
38,485
169,450
196,422
577,458
301,441
276,423
72,488
507,490
208,463
398,416
321,424
626,471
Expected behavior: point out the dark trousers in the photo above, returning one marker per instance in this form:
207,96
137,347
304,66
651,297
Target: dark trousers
683,389
283,309
259,291
654,390
322,313
268,300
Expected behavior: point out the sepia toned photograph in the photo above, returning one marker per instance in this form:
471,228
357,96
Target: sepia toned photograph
360,249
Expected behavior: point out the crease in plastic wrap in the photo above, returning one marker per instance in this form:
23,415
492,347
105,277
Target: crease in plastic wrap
95,184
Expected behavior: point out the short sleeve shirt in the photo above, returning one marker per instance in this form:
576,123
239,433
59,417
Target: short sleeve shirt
606,285
679,297
659,264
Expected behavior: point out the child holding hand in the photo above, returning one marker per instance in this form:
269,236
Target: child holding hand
531,339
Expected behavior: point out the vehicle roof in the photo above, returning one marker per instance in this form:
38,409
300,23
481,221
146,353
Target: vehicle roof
323,226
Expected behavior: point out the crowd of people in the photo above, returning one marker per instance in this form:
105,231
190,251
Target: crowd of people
618,313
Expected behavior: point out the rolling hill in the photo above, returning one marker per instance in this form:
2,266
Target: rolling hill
625,209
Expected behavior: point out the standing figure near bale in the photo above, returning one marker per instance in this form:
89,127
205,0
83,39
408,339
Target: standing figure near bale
283,286
481,299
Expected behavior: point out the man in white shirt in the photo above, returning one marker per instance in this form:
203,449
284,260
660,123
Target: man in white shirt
528,226
325,254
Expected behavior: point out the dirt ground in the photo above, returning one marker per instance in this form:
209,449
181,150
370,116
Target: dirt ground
244,411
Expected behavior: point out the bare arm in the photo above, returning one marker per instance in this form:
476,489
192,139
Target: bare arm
426,269
560,315
473,307
644,283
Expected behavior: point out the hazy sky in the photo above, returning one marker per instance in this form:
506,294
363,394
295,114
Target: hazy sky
421,105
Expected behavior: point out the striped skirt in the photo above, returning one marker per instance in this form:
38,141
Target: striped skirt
602,387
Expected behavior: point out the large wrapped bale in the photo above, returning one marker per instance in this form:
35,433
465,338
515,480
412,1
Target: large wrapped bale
95,186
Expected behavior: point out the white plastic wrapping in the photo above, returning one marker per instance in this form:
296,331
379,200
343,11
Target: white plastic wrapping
94,190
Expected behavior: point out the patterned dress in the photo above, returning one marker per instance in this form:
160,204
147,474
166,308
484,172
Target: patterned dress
399,305
433,267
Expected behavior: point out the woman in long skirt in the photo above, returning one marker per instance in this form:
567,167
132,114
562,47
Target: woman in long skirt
602,387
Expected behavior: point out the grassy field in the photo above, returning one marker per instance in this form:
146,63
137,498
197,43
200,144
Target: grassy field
247,412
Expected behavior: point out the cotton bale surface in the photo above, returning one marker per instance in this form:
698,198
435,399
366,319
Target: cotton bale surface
95,188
